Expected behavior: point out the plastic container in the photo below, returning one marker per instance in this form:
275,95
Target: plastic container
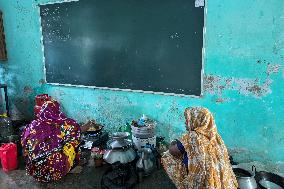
8,156
143,132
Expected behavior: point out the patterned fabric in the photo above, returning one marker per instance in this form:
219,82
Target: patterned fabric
50,143
208,161
184,153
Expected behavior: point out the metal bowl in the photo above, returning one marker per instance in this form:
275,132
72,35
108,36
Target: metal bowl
119,140
98,129
269,180
120,145
120,135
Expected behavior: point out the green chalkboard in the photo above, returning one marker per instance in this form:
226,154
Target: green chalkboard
148,45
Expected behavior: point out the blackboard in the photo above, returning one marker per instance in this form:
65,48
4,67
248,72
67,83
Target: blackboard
148,45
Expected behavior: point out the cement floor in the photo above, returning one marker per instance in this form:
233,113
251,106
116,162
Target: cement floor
90,178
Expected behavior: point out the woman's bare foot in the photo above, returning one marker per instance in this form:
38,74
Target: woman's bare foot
76,170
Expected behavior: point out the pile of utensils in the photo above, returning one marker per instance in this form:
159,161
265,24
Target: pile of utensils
252,179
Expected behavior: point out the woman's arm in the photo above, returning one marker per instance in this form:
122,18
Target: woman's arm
177,149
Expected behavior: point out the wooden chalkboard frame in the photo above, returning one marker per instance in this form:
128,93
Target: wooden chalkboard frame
128,90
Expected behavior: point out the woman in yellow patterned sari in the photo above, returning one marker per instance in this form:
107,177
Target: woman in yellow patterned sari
200,159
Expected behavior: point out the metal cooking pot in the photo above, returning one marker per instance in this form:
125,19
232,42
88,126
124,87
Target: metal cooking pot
120,156
120,140
120,149
245,178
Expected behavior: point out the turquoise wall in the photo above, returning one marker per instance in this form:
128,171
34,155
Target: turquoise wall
243,84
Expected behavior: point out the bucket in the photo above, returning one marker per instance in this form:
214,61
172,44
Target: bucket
140,143
8,156
143,132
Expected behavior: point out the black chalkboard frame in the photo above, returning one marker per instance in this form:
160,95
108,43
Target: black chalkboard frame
204,7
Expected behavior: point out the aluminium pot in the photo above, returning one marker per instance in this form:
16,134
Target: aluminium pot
245,178
120,149
122,156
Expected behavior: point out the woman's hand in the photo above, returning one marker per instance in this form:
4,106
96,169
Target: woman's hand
174,150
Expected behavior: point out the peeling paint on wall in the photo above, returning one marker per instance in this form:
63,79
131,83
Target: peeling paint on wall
273,68
41,81
1,75
238,150
246,86
222,100
28,89
211,84
253,87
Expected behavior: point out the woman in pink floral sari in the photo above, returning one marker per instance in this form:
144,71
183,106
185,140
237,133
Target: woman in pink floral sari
50,143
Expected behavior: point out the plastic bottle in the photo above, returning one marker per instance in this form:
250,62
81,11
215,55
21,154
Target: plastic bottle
141,121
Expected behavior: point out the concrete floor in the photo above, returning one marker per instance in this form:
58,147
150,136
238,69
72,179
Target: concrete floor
90,178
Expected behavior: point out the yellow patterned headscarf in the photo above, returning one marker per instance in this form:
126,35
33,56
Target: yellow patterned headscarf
209,166
201,121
